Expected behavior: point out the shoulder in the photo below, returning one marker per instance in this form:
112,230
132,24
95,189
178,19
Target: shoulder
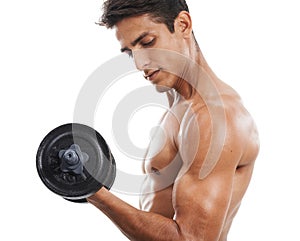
219,133
242,132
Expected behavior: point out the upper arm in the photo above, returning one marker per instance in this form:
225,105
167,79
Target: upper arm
201,205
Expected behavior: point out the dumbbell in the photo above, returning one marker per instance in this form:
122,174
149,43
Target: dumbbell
74,161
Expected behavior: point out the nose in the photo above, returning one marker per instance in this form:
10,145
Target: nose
141,59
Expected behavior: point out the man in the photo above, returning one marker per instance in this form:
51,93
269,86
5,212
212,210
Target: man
199,173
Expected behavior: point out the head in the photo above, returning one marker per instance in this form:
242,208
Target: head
161,11
145,24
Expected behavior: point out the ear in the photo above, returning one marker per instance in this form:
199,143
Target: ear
183,24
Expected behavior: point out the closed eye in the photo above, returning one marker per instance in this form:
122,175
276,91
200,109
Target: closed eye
128,52
149,43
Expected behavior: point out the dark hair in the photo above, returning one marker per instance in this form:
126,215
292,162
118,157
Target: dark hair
162,11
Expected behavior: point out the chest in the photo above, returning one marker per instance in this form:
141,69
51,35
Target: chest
163,155
163,160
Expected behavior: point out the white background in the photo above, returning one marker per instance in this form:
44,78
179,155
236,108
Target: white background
49,48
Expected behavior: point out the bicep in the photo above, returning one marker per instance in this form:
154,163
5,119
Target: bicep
201,205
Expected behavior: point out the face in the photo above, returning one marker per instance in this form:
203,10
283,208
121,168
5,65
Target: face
137,34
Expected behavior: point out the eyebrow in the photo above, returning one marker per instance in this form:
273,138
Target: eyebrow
135,42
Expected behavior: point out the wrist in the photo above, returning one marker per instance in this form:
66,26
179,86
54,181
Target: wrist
98,198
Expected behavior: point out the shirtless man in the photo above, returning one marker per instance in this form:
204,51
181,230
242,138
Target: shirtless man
192,191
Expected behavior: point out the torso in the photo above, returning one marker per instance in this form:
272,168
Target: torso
165,156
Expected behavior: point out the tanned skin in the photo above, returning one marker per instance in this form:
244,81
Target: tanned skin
189,208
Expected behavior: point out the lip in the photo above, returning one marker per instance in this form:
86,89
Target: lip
151,76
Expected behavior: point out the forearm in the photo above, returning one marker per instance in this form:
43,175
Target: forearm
135,224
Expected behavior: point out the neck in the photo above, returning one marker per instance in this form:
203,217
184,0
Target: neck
197,56
184,89
194,68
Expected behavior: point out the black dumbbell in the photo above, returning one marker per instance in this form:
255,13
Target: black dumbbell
74,161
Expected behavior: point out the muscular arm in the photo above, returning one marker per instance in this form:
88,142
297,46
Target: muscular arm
200,205
200,209
135,224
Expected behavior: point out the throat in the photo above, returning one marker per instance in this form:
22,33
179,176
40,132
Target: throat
184,89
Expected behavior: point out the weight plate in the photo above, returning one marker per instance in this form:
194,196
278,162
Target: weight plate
71,186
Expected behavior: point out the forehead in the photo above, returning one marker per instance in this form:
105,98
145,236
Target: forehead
130,28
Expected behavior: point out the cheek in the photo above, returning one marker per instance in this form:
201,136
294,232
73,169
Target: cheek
173,43
168,79
174,67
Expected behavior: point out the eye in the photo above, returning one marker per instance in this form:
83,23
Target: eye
129,53
148,43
